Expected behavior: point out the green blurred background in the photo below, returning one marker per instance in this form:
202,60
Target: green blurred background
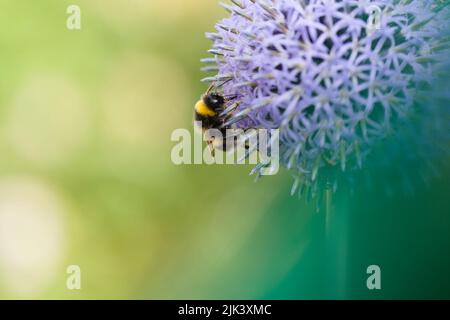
86,177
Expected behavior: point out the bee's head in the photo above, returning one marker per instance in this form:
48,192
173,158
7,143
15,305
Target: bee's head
214,101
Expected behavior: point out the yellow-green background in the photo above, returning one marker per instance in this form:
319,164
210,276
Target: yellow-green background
86,177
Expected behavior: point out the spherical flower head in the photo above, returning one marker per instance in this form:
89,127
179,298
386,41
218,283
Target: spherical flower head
335,76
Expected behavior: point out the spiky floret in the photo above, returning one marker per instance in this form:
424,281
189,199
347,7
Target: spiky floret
335,76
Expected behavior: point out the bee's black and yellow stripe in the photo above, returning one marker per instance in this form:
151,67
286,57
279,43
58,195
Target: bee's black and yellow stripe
208,111
209,118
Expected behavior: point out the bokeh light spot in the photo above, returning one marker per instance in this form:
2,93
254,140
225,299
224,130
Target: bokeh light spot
48,121
32,238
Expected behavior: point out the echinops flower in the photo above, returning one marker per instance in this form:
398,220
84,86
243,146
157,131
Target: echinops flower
335,76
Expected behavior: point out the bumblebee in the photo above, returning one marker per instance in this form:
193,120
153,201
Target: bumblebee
209,111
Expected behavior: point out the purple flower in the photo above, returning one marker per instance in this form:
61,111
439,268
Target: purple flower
335,76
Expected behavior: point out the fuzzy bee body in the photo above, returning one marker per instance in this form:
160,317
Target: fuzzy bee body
208,112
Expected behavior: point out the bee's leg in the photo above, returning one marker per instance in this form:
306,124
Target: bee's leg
225,143
212,151
231,97
231,109
227,117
